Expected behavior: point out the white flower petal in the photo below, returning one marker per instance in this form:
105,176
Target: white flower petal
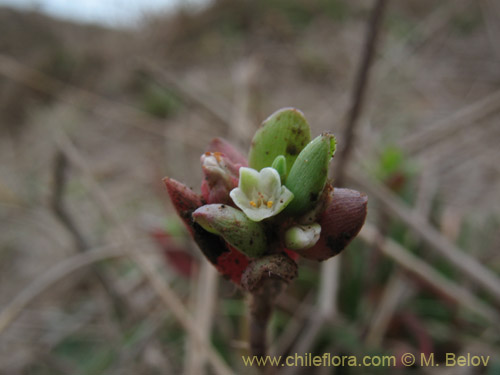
283,199
240,199
249,180
260,195
269,182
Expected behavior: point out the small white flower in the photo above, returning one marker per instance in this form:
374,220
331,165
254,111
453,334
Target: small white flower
260,194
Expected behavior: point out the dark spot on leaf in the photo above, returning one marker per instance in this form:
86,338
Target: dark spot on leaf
291,149
313,197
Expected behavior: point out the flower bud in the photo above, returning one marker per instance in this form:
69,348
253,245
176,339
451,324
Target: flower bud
234,227
226,148
221,176
308,175
285,132
341,221
300,237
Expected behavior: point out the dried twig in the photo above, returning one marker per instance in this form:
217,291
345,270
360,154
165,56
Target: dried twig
61,165
57,202
398,288
293,327
166,294
203,314
55,274
465,263
424,272
360,86
491,15
431,135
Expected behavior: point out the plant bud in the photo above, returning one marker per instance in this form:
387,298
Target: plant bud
280,165
341,221
234,227
285,132
300,237
308,175
221,176
226,148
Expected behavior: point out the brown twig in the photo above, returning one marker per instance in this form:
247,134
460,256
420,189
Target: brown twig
55,274
360,85
204,311
468,265
59,174
429,275
451,126
170,299
60,169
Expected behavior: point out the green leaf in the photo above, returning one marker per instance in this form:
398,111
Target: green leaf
286,132
280,165
234,226
308,175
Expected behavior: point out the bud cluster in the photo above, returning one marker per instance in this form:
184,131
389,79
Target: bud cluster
278,204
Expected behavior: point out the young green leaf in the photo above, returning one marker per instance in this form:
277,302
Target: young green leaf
280,165
308,175
286,132
234,227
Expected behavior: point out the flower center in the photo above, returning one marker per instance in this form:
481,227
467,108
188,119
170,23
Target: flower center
260,200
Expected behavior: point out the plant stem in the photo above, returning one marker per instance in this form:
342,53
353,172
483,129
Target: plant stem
261,307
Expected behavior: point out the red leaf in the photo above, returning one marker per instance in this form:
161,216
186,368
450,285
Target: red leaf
232,264
184,200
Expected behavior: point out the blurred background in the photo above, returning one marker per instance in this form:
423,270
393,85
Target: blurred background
99,102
